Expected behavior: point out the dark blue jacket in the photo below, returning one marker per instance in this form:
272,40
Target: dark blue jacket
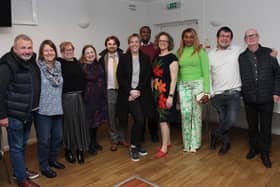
19,86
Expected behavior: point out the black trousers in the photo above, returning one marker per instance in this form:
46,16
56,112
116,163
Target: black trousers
259,117
135,109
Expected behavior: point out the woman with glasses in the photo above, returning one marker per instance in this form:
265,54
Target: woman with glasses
165,69
75,130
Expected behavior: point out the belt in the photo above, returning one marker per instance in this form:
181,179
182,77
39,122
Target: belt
233,91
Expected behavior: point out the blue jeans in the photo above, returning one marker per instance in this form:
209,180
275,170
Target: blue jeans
18,134
49,138
228,107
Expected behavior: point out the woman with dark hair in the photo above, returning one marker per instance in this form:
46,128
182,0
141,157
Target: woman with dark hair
48,119
95,95
135,94
75,130
193,87
165,69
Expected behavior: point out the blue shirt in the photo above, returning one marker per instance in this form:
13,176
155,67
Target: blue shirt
51,96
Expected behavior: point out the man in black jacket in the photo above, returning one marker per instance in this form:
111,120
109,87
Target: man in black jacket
110,59
19,97
260,77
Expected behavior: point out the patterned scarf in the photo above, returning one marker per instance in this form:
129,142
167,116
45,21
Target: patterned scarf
53,75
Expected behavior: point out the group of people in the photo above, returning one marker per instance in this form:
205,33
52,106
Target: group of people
68,99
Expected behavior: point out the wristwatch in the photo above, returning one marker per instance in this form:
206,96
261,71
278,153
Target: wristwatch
170,95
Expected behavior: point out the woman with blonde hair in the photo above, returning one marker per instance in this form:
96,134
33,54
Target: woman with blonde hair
193,87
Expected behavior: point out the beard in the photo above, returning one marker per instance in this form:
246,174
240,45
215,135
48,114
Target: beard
26,57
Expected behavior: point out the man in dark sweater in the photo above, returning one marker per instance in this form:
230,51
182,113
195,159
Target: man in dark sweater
19,98
147,48
260,76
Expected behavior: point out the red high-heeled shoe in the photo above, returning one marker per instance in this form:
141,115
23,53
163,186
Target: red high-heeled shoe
168,147
160,154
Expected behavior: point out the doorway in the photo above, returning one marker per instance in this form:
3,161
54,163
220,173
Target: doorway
176,28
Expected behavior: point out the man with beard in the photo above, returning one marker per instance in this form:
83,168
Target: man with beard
19,98
110,59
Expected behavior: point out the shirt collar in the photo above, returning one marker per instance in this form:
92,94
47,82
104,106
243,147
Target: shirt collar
228,48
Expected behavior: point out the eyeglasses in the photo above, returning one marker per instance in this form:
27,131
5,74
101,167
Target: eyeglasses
251,36
69,50
163,41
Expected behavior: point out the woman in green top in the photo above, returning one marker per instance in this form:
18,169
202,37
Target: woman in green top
193,82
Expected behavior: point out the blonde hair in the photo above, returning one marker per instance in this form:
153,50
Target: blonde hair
196,43
63,45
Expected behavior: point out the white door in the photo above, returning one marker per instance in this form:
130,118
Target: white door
176,28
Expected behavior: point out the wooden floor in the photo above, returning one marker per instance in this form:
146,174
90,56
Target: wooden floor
178,168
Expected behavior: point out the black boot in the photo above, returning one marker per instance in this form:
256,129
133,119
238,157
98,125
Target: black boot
80,157
213,140
92,150
69,156
266,161
251,154
97,146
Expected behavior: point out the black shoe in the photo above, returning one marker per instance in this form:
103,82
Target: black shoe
134,154
154,138
266,161
49,173
92,150
56,164
69,156
213,141
80,157
224,149
252,153
98,147
142,151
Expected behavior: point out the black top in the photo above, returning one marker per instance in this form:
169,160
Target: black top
73,75
260,76
19,86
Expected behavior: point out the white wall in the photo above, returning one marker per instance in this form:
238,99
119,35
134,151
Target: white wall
58,21
238,14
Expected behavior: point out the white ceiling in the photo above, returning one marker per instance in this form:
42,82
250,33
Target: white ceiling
144,1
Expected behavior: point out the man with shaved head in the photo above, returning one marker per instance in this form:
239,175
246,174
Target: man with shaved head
260,77
19,99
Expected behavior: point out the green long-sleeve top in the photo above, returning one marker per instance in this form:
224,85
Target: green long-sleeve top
194,67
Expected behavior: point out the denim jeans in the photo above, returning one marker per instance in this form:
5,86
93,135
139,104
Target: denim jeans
18,134
228,107
49,138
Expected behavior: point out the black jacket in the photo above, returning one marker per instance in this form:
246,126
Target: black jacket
261,86
19,92
124,75
104,60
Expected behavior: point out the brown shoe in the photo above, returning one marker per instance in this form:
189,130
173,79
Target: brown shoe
124,143
114,147
28,183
